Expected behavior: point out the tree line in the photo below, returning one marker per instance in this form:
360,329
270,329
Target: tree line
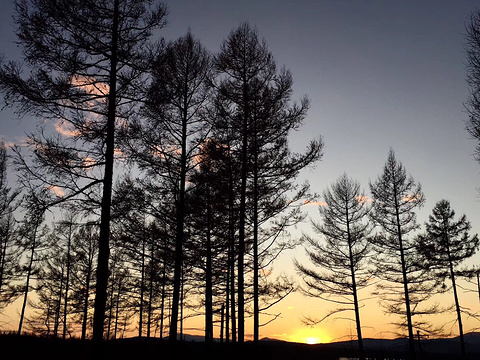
170,165
374,242
171,169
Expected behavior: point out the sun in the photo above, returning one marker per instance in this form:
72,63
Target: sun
310,335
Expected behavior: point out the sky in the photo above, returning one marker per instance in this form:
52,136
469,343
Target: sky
380,74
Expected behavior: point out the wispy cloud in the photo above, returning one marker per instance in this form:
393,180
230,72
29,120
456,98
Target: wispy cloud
63,129
90,85
411,198
57,191
363,199
314,203
18,140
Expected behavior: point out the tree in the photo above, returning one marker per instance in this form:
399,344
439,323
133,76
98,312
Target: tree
87,61
67,228
9,254
32,242
55,277
85,247
209,222
395,199
166,142
254,100
343,256
446,244
473,79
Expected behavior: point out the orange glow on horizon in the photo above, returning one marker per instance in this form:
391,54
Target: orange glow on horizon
310,335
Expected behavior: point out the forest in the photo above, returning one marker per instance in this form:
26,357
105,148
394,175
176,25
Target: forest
160,184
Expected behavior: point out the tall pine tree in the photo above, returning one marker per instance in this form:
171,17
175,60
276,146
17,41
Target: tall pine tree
446,244
87,61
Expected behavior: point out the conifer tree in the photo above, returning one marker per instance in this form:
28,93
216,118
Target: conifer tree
87,62
446,244
405,284
9,253
254,99
167,139
342,257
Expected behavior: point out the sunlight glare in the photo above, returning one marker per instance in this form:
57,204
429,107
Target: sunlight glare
309,335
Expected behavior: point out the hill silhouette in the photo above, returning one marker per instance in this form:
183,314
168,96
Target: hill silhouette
28,347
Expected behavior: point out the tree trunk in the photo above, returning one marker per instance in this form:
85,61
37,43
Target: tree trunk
181,305
3,244
411,339
241,230
162,305
478,284
103,246
142,289
180,225
256,307
231,231
117,306
457,303
150,294
85,302
227,298
58,307
208,283
222,318
354,290
67,282
110,313
29,273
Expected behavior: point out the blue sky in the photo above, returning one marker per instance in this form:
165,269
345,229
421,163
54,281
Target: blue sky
380,74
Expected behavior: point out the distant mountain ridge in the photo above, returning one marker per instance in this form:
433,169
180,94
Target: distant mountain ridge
440,345
30,347
432,346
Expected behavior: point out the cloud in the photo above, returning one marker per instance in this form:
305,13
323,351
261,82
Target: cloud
90,85
62,128
363,199
119,154
314,203
56,190
412,198
88,162
18,140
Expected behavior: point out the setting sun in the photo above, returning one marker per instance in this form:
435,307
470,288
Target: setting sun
310,335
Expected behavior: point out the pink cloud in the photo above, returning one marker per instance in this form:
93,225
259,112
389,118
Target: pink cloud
314,203
56,190
363,199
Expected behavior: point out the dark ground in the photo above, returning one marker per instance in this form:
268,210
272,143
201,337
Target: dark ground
30,347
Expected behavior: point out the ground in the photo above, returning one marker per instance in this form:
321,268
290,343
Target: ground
31,347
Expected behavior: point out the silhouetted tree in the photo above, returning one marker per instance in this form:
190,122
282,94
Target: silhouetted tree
85,249
342,258
208,218
9,253
446,244
54,279
473,79
254,99
167,141
395,199
87,61
32,242
67,228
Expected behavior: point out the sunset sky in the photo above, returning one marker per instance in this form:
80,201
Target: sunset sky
380,74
